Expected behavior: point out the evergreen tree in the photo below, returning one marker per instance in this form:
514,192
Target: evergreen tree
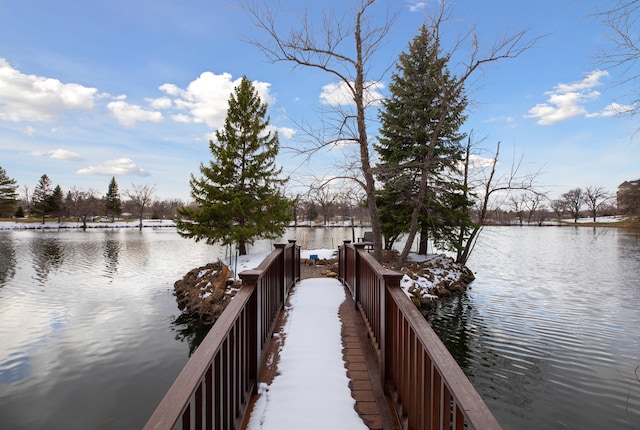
420,146
8,194
57,202
113,204
42,198
239,197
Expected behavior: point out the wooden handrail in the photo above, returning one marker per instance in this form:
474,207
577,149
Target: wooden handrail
215,386
428,388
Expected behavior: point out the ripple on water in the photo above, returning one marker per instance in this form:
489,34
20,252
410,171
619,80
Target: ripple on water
549,334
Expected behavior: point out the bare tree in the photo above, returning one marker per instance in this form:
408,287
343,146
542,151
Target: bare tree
573,200
595,198
141,197
322,194
83,204
507,47
623,19
25,195
345,48
493,189
559,207
517,203
531,204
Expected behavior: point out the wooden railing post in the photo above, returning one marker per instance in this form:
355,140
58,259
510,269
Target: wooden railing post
426,386
391,280
295,260
282,265
357,293
250,277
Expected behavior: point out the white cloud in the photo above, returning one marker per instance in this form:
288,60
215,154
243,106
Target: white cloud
119,167
417,6
206,99
479,162
286,132
128,114
64,154
505,119
614,109
160,102
339,94
36,98
58,154
567,101
181,118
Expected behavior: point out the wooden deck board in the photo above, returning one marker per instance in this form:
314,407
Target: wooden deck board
362,369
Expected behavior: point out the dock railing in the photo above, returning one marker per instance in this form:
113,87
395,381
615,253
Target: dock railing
214,388
428,388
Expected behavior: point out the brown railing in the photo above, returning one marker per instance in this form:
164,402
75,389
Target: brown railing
215,386
428,388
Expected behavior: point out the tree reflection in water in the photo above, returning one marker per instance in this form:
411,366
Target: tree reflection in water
190,329
7,260
111,253
48,254
450,321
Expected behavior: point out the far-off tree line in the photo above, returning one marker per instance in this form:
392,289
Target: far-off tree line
421,177
46,201
320,205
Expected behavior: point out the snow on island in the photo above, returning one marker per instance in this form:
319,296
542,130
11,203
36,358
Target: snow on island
430,277
205,291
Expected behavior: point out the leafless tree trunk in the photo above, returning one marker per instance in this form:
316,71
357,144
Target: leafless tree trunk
532,202
573,200
507,47
595,198
26,198
487,187
141,197
324,197
343,48
622,18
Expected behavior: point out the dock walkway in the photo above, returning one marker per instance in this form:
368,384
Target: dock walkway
321,369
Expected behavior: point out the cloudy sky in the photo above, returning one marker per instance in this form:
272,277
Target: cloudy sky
134,89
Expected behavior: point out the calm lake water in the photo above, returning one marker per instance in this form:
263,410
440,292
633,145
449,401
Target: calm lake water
91,337
90,333
549,333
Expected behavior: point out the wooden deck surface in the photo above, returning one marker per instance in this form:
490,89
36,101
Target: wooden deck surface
362,365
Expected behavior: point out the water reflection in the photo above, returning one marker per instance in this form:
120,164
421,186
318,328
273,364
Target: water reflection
111,252
548,331
190,329
454,329
48,255
7,259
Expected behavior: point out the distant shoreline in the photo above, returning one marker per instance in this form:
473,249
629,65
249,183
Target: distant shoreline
55,225
155,223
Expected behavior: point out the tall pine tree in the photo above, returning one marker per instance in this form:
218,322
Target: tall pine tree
420,146
8,194
57,206
113,204
239,197
42,199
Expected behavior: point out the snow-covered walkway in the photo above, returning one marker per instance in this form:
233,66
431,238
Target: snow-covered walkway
311,390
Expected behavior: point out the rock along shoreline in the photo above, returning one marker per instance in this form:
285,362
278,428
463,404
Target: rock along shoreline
205,291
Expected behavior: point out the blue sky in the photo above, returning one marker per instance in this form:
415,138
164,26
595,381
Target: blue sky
134,89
